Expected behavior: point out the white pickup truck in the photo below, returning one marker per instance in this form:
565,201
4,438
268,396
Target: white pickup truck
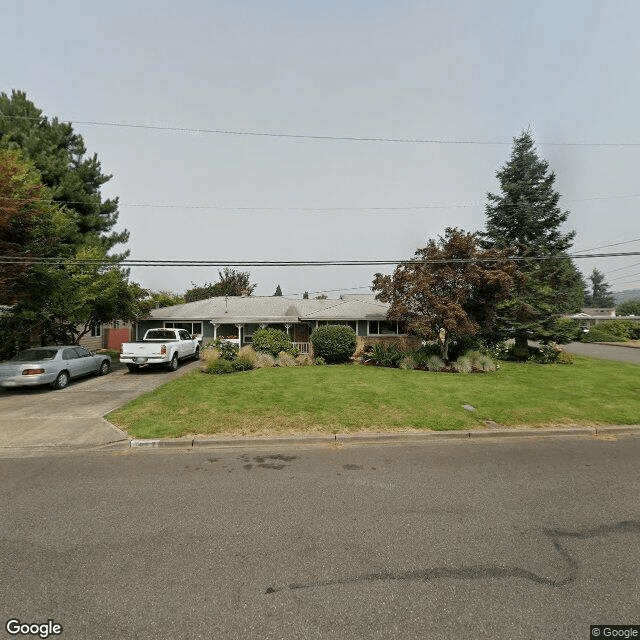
160,346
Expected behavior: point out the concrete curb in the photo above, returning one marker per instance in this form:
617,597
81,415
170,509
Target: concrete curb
378,438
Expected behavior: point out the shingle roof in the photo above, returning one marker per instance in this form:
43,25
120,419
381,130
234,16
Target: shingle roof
276,309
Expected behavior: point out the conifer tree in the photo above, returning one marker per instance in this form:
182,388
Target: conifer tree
278,291
526,220
599,296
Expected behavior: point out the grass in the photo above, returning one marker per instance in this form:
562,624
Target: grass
350,398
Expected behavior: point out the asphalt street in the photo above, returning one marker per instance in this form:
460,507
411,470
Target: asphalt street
607,352
501,539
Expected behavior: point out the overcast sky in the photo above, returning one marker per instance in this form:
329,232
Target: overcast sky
454,71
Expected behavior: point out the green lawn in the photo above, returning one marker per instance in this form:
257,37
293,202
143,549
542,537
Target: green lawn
350,398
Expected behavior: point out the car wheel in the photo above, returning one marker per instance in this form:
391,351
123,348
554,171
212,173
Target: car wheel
196,355
61,381
133,368
105,367
173,365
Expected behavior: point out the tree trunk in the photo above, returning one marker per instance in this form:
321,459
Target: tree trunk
444,344
521,348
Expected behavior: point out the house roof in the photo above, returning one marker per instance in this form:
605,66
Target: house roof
274,309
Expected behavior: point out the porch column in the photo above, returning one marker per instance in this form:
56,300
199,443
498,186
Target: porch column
286,326
240,326
215,330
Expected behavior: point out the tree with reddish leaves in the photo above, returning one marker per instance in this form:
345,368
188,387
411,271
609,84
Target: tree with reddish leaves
25,215
449,290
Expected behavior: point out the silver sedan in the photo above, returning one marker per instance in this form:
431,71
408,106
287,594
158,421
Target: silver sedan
54,365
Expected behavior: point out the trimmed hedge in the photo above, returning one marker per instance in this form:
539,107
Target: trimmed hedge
273,341
334,343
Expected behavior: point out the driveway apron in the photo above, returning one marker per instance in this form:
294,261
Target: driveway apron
73,417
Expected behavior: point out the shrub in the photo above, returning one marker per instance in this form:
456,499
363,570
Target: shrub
210,355
599,333
480,361
319,361
229,351
285,360
304,360
248,353
380,355
421,354
485,363
459,345
272,341
242,364
219,366
462,365
434,363
565,358
264,361
408,363
334,343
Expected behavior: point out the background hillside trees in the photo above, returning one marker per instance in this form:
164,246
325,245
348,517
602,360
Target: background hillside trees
230,283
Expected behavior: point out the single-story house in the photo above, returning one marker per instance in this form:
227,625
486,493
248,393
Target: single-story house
107,335
235,318
591,316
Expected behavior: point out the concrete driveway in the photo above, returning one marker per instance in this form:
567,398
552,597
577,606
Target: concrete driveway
72,417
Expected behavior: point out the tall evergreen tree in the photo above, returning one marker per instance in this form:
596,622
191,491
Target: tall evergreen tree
525,219
599,296
52,208
278,291
59,155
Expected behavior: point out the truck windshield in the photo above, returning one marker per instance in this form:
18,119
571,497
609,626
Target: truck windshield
160,334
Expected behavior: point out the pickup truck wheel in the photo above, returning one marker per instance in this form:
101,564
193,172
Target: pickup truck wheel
61,381
173,365
133,368
104,368
196,355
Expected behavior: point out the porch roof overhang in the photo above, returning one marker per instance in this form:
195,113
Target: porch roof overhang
255,320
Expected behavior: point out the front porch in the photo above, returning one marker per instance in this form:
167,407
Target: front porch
241,333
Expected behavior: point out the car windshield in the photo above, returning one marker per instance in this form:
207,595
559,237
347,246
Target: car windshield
35,354
161,334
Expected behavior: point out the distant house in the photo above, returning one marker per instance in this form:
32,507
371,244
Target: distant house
107,335
591,316
235,318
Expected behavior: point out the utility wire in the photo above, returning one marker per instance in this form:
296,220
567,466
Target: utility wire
286,263
461,205
321,137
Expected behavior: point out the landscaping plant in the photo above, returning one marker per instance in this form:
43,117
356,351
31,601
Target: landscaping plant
273,341
334,343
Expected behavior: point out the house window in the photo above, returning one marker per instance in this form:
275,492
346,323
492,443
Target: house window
347,323
191,327
383,328
116,324
96,330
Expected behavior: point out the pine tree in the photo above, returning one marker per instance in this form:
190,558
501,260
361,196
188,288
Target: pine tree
600,296
525,219
58,154
278,291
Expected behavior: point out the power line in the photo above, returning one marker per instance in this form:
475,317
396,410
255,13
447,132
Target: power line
28,260
297,136
461,205
604,246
